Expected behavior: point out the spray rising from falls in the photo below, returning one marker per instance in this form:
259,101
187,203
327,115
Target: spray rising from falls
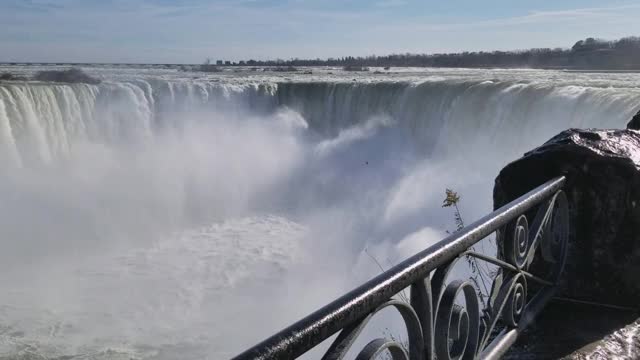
142,217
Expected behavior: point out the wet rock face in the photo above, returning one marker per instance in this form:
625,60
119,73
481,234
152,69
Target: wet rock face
70,76
634,124
574,331
603,186
621,344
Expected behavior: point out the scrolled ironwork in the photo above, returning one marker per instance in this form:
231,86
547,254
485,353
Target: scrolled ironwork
517,246
449,319
378,346
457,327
345,340
515,305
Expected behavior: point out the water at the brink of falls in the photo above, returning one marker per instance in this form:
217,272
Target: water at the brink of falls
175,215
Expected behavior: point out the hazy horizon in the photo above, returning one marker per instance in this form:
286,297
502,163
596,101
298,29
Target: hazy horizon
169,31
242,62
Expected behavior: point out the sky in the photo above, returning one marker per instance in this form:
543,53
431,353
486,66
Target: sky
190,31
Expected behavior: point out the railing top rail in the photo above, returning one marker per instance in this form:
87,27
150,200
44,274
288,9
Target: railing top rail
305,334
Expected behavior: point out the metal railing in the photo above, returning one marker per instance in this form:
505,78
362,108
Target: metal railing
443,317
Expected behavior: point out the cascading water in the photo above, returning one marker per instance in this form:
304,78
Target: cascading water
167,215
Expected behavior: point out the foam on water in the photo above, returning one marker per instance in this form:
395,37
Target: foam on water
168,293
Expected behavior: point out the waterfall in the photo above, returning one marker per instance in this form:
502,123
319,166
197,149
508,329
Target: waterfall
42,122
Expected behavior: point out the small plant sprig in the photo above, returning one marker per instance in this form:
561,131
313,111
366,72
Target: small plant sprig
451,200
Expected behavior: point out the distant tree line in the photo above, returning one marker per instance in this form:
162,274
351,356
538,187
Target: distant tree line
590,53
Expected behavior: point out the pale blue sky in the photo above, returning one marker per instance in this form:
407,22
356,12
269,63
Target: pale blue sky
188,31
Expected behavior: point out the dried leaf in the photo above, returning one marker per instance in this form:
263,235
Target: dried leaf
451,199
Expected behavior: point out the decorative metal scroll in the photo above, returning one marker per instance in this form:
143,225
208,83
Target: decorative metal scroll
449,319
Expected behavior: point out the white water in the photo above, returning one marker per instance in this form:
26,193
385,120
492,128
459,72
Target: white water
167,215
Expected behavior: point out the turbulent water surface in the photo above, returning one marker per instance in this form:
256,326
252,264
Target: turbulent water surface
175,215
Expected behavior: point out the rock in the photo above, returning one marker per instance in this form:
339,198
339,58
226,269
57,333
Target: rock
11,77
624,343
634,124
603,187
566,330
66,76
355,68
